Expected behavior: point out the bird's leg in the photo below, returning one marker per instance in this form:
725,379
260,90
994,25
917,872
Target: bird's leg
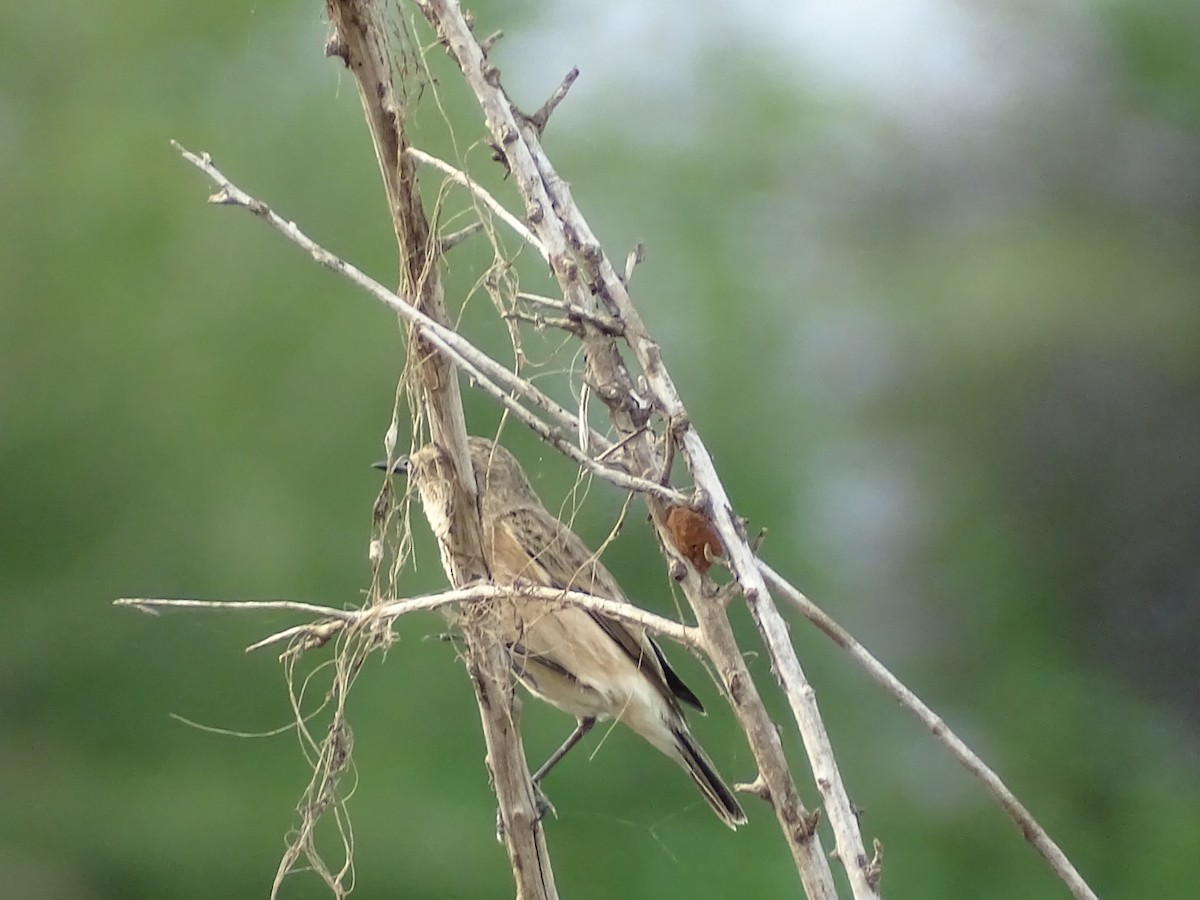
581,728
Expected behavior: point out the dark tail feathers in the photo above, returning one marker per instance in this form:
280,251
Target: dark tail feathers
700,767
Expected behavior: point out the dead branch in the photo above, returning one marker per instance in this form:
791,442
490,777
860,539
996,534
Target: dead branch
493,377
367,47
911,703
385,613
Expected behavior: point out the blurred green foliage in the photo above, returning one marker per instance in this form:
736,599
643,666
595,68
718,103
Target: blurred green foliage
954,368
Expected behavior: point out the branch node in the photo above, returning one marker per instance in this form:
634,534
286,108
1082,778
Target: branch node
758,540
315,635
541,118
758,787
875,867
452,240
808,825
490,41
636,256
335,46
726,594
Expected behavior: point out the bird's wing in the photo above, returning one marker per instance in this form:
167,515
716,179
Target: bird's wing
554,556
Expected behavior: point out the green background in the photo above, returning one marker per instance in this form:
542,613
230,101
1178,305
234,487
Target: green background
942,337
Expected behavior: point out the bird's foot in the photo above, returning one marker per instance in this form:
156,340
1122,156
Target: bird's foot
541,806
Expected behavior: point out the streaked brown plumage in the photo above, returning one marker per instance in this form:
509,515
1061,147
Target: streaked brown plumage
587,664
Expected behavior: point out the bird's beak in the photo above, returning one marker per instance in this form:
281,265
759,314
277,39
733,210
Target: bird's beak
399,467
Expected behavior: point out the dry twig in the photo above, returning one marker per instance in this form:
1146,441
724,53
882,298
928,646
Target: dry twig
383,614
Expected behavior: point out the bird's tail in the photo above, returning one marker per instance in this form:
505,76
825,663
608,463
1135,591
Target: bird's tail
693,758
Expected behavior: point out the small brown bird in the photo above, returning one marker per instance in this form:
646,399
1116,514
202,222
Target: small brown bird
585,663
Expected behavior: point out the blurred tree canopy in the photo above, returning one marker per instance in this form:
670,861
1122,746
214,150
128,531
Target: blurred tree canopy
926,275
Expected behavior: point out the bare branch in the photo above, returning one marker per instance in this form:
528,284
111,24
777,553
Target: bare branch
497,208
452,240
366,38
491,376
490,41
540,119
315,634
390,610
1024,820
605,324
153,604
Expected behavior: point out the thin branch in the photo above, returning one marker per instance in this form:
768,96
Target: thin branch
315,634
610,326
490,41
389,611
462,178
909,701
540,119
491,376
153,604
455,346
452,240
539,300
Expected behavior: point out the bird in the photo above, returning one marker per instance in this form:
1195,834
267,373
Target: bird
588,664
